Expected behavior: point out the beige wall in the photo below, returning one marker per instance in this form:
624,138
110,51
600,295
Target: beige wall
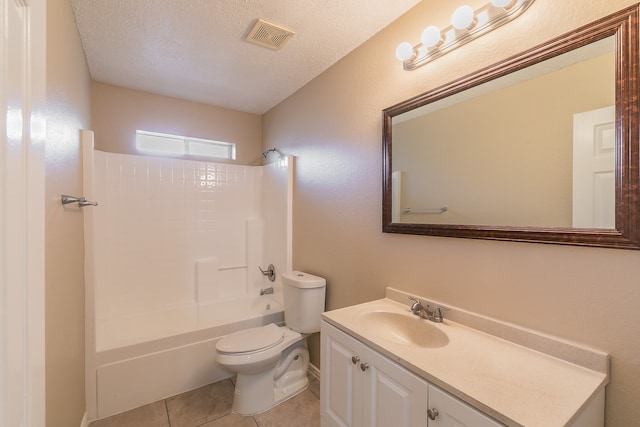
67,113
116,114
334,127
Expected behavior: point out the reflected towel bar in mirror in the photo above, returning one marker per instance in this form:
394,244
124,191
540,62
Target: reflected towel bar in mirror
425,211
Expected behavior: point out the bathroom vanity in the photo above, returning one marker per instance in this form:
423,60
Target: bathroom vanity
383,366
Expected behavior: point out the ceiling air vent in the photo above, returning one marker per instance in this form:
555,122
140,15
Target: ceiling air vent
268,35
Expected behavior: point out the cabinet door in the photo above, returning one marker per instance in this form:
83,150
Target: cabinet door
452,412
340,404
394,396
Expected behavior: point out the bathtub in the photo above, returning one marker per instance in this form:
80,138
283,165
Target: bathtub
149,356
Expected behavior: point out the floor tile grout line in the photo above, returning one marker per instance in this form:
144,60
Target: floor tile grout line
166,410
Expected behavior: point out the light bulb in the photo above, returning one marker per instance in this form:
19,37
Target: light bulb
463,18
501,3
404,51
431,36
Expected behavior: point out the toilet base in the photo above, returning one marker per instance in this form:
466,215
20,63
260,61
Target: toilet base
255,393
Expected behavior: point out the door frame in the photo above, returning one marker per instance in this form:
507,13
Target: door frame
22,204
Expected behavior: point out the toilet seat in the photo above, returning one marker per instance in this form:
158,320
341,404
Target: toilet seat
251,340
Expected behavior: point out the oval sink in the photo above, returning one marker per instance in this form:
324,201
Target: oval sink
404,329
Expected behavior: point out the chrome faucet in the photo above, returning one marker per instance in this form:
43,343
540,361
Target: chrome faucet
423,311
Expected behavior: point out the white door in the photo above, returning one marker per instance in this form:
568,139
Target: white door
594,168
392,396
360,387
341,402
22,133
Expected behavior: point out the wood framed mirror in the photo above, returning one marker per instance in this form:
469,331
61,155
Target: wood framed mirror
456,165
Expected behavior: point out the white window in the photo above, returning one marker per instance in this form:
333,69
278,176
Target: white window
163,143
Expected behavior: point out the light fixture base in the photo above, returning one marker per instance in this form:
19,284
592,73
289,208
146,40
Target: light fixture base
487,18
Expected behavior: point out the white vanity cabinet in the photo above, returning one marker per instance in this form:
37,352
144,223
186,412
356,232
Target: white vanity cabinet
360,387
488,373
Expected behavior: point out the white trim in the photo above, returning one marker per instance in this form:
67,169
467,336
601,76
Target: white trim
22,204
314,371
291,161
85,421
88,176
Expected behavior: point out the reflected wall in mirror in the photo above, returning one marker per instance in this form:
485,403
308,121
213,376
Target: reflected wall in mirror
542,147
508,147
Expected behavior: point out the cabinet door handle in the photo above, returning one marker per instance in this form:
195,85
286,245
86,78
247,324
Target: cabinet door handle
432,414
355,359
364,366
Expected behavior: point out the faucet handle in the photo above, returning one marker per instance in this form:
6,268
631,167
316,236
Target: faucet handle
417,306
416,300
437,314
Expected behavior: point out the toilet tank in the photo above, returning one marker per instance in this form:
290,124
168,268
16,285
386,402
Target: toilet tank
303,301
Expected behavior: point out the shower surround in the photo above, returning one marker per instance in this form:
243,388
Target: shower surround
172,255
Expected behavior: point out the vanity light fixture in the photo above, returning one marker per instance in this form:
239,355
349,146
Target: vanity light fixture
466,25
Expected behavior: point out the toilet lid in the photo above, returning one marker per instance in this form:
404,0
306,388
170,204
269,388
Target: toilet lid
252,339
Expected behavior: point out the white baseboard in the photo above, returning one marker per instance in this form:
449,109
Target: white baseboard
314,371
84,422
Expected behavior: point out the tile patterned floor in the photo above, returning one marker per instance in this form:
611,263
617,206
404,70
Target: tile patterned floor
210,406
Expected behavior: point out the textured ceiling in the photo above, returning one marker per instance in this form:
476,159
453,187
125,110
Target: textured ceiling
195,49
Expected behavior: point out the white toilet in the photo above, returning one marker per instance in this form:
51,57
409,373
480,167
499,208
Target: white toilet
271,361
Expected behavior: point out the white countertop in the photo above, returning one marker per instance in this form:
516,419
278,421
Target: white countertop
513,383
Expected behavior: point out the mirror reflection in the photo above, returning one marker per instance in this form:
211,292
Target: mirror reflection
534,148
